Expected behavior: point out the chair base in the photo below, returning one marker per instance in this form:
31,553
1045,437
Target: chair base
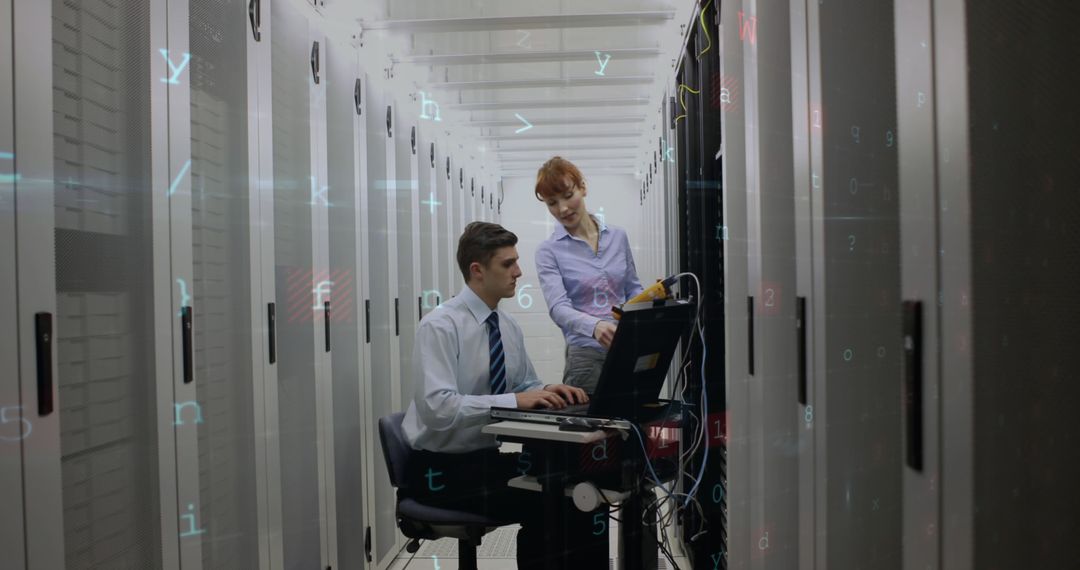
466,555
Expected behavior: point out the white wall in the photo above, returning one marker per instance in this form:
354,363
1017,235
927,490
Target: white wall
530,220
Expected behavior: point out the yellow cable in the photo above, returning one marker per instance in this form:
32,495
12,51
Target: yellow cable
681,101
705,30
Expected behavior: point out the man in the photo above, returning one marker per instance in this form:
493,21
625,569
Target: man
469,357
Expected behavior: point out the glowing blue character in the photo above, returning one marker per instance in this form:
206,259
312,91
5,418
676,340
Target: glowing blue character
322,287
603,64
320,194
424,103
184,297
179,176
191,531
427,296
176,70
431,203
431,475
24,433
179,413
527,126
599,523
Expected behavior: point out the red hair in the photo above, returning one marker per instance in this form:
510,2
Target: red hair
557,176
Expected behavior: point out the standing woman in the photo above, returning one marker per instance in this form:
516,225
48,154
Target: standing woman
585,267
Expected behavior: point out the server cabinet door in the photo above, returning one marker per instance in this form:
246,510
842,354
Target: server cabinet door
445,238
115,318
385,364
774,423
300,292
15,418
223,288
806,195
322,307
457,198
745,533
345,107
408,243
268,310
429,228
918,202
857,285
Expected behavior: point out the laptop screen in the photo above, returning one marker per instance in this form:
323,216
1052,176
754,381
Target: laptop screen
640,355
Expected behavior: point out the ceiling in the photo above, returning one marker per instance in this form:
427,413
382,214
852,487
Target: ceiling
528,79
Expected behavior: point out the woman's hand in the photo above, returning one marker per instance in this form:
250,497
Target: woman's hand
604,333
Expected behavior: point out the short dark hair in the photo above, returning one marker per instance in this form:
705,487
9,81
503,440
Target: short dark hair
479,242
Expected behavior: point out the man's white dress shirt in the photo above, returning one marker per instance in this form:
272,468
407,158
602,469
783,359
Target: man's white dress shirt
450,367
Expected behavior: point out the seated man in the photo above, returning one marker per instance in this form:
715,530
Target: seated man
469,357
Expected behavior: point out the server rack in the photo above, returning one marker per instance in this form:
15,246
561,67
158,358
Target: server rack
355,451
405,194
697,131
851,269
385,306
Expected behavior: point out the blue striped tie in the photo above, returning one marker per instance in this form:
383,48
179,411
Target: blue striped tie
498,360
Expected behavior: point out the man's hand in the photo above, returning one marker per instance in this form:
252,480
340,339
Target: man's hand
535,399
571,394
604,333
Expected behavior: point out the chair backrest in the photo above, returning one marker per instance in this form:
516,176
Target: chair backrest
395,448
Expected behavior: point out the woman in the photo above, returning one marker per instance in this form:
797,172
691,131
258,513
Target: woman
585,267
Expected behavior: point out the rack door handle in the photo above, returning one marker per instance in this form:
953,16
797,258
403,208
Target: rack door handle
357,95
913,382
315,61
800,343
432,155
255,16
413,139
271,326
326,323
389,121
397,317
186,327
43,341
367,321
420,308
750,334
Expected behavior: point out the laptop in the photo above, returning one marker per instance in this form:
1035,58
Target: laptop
628,391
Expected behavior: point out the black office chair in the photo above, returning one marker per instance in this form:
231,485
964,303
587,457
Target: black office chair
422,522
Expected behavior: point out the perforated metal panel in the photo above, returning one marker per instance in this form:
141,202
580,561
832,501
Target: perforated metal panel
347,324
408,243
1024,211
221,288
382,258
101,97
297,287
859,265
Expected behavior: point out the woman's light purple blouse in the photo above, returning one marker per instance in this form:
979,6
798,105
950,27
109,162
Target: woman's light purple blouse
580,286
